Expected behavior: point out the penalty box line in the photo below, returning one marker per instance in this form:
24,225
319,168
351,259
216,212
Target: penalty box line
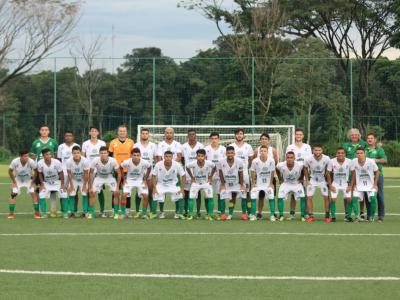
204,277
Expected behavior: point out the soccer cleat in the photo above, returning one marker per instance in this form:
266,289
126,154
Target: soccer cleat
198,216
89,216
103,215
71,216
290,218
152,216
229,217
303,219
259,216
223,217
65,216
122,216
252,218
111,215
176,216
209,218
162,215
333,220
44,216
136,215
218,217
362,217
53,214
310,219
189,217
244,217
348,220
380,219
371,220
116,216
281,219
328,220
272,218
36,215
11,215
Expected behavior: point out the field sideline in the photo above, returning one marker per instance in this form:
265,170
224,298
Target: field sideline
169,259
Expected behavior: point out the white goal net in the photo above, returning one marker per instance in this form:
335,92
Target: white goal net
281,135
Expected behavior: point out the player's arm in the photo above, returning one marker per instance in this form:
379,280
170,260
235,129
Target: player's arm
146,176
61,176
183,183
71,180
328,179
271,181
222,178
91,172
154,183
353,180
34,177
190,174
12,177
253,178
279,174
123,178
241,181
210,177
85,180
275,155
178,157
306,177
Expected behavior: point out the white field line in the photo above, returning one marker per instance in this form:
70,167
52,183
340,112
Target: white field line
204,277
78,234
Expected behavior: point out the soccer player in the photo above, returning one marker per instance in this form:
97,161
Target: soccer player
148,152
23,173
232,184
137,175
265,140
51,177
64,153
78,168
244,152
104,168
43,142
262,172
91,150
216,153
364,181
189,150
120,148
166,174
379,156
339,181
201,172
169,144
291,175
301,150
315,167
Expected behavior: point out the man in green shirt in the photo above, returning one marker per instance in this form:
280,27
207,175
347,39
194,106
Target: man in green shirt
377,154
43,142
351,147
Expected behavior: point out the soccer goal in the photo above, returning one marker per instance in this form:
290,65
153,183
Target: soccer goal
281,135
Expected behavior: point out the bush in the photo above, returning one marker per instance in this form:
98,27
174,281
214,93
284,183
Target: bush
392,150
5,154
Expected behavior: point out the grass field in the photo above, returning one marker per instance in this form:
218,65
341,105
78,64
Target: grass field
168,259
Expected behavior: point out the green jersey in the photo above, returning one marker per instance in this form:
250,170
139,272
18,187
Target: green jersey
351,149
38,146
378,153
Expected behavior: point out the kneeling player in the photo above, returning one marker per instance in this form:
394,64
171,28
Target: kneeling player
232,184
104,167
201,173
291,174
316,165
20,172
78,168
364,180
339,169
137,174
51,177
262,172
165,180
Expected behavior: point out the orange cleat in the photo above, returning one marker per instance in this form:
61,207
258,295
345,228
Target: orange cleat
11,215
223,217
328,220
36,215
244,217
310,219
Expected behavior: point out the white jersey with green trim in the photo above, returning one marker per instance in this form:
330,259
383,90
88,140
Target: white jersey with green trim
365,174
189,152
92,150
78,168
135,172
290,176
263,170
168,177
23,173
231,173
50,172
301,153
175,147
104,170
64,153
317,168
243,153
340,172
147,152
201,174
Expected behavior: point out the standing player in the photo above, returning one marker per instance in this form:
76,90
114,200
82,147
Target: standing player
120,148
43,142
232,184
379,156
339,181
148,153
364,181
301,150
20,172
51,177
189,150
137,175
104,168
166,174
216,153
265,140
91,150
291,174
262,172
244,152
201,172
315,167
78,168
169,144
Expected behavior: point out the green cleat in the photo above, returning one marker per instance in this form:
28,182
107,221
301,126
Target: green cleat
116,216
189,218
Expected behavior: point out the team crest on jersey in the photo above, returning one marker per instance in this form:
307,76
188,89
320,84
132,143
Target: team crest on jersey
264,169
341,169
230,172
215,156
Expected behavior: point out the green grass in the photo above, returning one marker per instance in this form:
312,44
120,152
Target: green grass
280,255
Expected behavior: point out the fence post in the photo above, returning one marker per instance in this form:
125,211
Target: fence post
4,131
351,93
154,91
253,118
55,100
130,125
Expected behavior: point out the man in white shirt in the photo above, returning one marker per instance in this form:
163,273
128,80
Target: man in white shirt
166,175
169,144
364,181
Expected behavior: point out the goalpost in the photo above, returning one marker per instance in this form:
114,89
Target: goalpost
281,135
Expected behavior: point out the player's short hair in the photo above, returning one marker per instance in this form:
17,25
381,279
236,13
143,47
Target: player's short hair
201,151
264,134
23,152
318,145
299,130
214,134
230,148
144,129
45,150
237,130
360,149
340,148
44,125
103,148
135,150
94,127
168,153
373,134
191,130
290,153
68,131
76,148
122,126
263,147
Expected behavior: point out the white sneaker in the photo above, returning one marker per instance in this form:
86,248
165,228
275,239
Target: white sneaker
290,218
229,217
121,217
252,218
272,218
103,215
176,216
162,215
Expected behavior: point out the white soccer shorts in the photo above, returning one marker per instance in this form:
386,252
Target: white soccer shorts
98,183
23,184
130,185
216,185
360,194
255,192
49,188
163,190
227,193
296,189
196,188
339,189
78,185
313,187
